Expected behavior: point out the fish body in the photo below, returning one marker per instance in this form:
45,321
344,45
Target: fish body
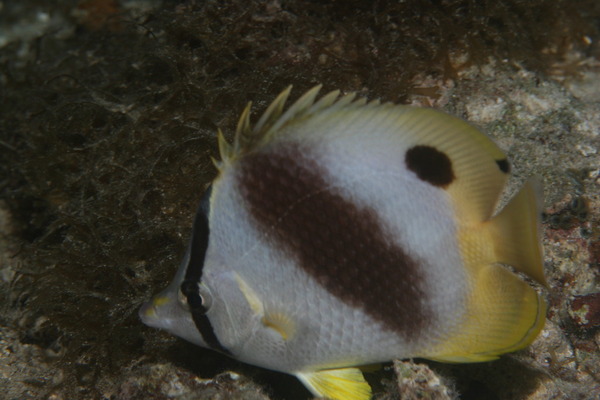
340,233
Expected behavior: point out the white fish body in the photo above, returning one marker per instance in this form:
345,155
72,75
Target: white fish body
340,233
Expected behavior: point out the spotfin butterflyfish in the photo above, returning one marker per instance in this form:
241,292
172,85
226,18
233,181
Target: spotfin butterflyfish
340,233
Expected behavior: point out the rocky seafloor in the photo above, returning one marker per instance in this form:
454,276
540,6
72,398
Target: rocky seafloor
108,119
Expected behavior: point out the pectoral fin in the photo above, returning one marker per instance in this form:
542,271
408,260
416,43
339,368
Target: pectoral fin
272,319
337,384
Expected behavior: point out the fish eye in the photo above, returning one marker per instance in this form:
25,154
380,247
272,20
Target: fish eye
195,296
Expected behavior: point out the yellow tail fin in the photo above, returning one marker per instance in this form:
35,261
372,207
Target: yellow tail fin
504,314
516,231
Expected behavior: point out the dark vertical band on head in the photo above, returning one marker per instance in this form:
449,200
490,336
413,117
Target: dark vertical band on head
193,275
341,245
199,239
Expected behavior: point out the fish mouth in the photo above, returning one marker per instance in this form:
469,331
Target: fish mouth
149,312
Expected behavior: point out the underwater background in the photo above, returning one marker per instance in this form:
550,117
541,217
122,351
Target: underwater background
108,118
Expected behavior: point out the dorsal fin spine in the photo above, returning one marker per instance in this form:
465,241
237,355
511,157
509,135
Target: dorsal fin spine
301,106
273,111
274,119
243,129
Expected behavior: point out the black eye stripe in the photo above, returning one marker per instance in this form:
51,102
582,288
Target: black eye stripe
195,301
193,275
199,240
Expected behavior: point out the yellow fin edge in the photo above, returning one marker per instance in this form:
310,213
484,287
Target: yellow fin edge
505,314
516,232
276,117
336,384
280,323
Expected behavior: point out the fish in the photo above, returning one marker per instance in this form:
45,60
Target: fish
340,233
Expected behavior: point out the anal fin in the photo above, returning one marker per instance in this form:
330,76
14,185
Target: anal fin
504,314
337,384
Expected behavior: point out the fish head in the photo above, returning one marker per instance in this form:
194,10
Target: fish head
213,313
203,304
169,310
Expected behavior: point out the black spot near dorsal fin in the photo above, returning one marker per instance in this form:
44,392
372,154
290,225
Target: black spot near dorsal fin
430,165
504,165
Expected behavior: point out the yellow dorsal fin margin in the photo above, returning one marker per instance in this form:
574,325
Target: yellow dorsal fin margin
243,128
275,118
337,384
225,150
479,166
479,179
274,111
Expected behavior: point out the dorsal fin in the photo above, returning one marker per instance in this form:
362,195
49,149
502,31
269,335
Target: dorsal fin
275,118
478,164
